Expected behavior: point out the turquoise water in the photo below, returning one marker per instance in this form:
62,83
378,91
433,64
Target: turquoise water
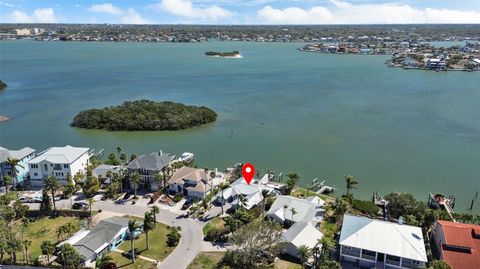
320,115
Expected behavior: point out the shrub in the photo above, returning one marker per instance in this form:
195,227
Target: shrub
365,207
173,237
177,198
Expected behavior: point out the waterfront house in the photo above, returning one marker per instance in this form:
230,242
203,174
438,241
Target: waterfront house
23,155
368,243
457,244
102,172
60,162
148,166
252,192
436,64
308,211
192,182
106,236
299,234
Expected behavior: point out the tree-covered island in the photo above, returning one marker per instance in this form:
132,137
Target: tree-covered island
3,85
234,53
144,115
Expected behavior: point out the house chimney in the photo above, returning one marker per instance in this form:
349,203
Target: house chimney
161,152
400,220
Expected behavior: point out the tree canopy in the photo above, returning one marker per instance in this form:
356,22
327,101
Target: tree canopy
144,115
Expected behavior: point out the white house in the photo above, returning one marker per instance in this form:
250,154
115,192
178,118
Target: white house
299,234
59,162
252,193
372,243
309,211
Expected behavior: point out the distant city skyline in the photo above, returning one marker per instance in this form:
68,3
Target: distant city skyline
240,11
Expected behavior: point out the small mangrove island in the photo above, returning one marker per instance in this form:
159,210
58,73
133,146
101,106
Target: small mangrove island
230,54
3,85
144,115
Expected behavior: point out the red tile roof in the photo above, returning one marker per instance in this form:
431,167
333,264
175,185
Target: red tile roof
461,235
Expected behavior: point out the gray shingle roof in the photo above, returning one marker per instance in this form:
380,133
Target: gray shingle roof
103,233
154,161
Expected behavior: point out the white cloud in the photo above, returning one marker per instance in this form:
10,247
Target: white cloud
40,15
186,9
106,8
18,16
44,15
347,13
133,17
6,4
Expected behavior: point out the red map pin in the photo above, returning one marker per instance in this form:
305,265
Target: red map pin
248,171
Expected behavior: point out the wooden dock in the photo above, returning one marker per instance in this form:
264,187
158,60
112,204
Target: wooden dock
446,203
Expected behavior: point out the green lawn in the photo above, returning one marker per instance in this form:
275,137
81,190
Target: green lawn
159,249
217,222
206,260
301,192
41,230
126,263
283,264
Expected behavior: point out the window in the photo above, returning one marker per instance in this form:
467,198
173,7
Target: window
35,174
46,167
65,166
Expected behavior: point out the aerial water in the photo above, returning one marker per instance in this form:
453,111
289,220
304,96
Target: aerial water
322,116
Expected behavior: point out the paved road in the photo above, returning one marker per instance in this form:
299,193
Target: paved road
190,243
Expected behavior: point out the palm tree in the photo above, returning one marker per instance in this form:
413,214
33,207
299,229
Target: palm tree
13,164
293,211
304,252
26,244
285,213
51,184
133,157
69,189
148,225
102,261
155,210
159,178
123,158
222,186
7,181
292,181
351,182
132,226
135,178
264,195
90,201
119,150
242,200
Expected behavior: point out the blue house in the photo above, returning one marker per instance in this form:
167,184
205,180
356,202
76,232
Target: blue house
24,155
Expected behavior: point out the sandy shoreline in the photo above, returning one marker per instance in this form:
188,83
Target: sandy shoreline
4,118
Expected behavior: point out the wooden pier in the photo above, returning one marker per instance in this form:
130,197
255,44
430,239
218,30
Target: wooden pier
447,203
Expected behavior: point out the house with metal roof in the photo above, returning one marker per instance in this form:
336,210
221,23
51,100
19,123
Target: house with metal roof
368,243
60,162
302,233
23,155
252,193
192,182
458,244
289,210
148,166
103,238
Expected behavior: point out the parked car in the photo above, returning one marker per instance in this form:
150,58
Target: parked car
187,204
80,205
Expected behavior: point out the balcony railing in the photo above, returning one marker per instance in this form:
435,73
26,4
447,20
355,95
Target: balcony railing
351,253
368,257
392,262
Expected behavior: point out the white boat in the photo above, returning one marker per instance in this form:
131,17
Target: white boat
186,157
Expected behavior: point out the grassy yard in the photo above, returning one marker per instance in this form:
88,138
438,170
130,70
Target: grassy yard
41,230
126,263
283,264
301,192
206,260
209,260
217,222
159,249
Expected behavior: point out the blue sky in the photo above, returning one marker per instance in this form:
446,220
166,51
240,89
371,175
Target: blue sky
241,11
